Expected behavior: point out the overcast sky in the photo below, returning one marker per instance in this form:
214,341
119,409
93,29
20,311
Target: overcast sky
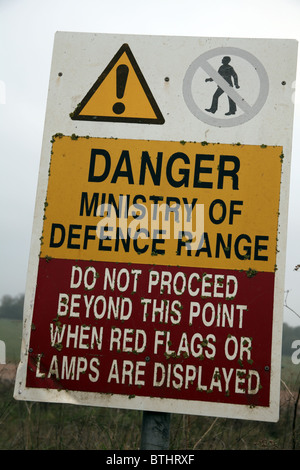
27,29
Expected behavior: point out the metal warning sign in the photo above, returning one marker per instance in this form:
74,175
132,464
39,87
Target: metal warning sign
242,106
156,271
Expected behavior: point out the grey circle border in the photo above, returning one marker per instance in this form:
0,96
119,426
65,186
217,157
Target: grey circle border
236,121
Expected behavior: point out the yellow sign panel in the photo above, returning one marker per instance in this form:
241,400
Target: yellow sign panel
120,94
159,202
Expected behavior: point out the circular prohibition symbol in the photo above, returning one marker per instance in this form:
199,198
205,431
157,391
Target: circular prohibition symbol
224,85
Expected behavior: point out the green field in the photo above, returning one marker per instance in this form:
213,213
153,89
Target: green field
49,426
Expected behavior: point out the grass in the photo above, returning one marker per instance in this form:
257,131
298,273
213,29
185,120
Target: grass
51,426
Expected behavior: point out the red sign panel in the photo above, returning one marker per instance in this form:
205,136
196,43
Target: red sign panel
156,331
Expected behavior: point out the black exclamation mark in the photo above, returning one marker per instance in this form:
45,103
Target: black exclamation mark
122,75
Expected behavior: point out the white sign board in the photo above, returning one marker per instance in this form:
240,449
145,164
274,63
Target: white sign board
144,129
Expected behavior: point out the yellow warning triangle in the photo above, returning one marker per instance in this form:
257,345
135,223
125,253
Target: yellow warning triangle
120,94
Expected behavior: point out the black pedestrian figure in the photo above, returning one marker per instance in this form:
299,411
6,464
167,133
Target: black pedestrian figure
228,73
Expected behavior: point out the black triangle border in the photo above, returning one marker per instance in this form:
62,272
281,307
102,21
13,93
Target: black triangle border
159,117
